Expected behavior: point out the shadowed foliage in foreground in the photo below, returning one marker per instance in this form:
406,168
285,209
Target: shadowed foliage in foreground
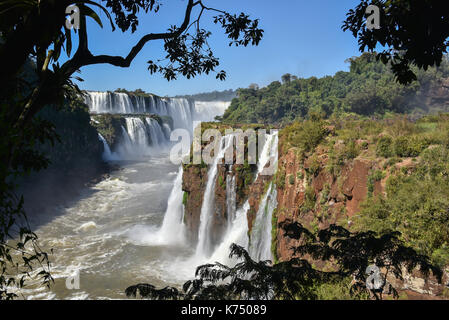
349,254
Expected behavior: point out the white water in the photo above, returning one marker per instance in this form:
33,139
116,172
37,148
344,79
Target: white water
139,138
204,246
129,228
231,197
181,110
107,153
260,244
237,231
173,227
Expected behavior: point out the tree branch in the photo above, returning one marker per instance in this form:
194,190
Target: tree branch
85,58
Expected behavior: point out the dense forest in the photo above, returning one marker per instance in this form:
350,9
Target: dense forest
369,88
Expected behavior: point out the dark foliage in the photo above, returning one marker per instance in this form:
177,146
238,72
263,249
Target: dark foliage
352,253
414,32
349,253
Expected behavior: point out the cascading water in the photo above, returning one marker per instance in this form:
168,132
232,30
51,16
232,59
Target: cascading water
107,154
231,197
173,228
237,231
207,111
260,243
127,228
204,246
144,139
157,135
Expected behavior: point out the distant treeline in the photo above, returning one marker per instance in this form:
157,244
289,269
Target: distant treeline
368,89
226,95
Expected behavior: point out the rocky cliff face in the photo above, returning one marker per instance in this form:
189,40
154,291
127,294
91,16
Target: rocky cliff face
194,184
319,199
309,194
194,181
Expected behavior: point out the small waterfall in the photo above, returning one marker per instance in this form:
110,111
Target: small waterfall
107,154
260,243
207,209
269,154
141,137
231,197
181,111
238,234
173,228
137,132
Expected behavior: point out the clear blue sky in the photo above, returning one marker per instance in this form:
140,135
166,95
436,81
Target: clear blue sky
301,37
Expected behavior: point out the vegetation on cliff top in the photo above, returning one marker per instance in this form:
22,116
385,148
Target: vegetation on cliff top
369,88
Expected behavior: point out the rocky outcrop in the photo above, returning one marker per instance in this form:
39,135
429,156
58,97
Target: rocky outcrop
315,198
194,182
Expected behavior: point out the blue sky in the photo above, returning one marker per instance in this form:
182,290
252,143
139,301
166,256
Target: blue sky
301,37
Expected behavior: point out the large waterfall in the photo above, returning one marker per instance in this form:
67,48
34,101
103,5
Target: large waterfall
141,134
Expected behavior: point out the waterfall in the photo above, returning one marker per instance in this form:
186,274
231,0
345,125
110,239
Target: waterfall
173,229
107,154
158,137
182,111
135,141
260,243
231,197
207,209
147,136
269,154
237,231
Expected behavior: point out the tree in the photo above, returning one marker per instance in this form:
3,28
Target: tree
253,86
414,32
350,254
36,30
286,78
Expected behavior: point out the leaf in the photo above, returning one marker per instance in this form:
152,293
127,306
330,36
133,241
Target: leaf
91,13
68,37
104,10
